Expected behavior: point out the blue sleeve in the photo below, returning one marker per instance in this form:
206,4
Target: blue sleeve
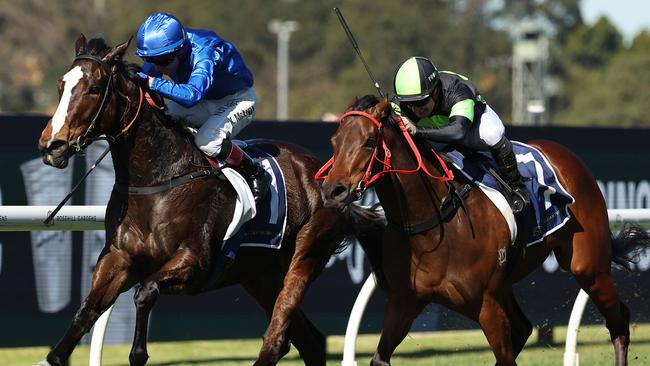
192,92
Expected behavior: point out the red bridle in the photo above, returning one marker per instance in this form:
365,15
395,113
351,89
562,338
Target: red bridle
368,177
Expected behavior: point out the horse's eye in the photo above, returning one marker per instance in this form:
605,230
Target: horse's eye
95,90
370,144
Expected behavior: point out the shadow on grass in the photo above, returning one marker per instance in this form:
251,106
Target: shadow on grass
332,358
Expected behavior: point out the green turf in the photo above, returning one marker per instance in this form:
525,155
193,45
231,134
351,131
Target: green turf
452,348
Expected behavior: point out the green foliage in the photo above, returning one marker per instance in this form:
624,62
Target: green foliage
470,37
593,47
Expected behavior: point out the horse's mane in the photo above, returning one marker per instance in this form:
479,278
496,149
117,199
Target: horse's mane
364,102
369,101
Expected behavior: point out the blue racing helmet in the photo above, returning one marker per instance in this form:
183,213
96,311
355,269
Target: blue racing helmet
159,34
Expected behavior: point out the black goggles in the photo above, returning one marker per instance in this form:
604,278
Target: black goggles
162,60
418,103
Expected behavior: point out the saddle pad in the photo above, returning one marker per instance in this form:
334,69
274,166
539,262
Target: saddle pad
265,227
548,210
262,226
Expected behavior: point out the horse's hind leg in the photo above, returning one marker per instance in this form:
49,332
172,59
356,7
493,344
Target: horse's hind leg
109,280
401,310
588,258
315,243
171,278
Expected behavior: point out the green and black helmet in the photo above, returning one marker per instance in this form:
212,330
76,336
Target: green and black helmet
415,79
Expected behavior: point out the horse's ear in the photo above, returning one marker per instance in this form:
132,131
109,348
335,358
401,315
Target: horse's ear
80,45
117,52
381,110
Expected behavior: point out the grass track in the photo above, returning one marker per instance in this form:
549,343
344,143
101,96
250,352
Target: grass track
449,348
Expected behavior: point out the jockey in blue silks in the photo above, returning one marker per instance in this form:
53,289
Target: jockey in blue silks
208,85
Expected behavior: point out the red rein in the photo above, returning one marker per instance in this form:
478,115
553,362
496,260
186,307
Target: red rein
368,177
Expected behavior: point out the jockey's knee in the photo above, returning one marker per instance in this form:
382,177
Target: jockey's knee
208,143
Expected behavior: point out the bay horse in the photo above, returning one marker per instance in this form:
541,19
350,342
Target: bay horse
168,240
459,262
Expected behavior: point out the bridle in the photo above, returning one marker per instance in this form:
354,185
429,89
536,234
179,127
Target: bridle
369,178
85,139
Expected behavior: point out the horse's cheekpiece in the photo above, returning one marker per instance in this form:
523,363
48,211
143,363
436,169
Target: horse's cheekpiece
264,228
548,210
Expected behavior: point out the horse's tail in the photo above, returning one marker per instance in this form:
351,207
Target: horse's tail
368,226
629,245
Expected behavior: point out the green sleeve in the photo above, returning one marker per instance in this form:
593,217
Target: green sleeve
464,108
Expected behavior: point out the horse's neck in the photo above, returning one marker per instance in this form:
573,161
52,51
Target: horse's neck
416,194
152,152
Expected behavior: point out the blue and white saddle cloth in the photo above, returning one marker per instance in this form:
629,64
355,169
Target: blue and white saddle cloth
262,226
548,210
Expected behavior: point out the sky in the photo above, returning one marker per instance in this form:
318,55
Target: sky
629,16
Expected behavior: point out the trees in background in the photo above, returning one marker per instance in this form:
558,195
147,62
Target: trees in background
603,80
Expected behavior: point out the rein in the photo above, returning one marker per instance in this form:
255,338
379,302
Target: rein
386,168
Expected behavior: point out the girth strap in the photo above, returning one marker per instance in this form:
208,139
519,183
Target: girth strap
447,210
172,183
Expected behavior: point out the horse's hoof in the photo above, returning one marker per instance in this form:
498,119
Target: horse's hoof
377,361
42,363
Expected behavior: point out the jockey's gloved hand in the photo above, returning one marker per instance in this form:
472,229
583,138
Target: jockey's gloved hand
142,75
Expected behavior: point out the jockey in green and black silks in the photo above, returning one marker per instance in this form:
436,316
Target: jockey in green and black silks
445,107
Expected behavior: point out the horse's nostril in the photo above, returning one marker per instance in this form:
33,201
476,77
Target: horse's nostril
55,145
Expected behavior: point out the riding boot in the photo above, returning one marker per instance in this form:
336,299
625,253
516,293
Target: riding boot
256,176
507,165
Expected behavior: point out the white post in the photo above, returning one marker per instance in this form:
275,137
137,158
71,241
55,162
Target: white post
571,357
283,29
352,329
97,340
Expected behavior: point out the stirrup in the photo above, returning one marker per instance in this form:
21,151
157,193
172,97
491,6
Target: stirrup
518,201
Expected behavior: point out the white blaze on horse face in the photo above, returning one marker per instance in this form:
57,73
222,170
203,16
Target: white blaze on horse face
70,80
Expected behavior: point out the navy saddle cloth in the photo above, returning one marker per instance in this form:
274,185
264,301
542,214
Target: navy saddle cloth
548,210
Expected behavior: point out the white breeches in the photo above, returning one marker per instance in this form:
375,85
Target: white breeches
217,120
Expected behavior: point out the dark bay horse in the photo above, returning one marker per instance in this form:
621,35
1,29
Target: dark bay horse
168,240
463,266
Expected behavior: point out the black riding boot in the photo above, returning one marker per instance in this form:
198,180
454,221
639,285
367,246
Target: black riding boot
256,176
507,164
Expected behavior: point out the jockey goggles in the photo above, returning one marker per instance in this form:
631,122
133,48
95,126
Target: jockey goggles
418,103
161,60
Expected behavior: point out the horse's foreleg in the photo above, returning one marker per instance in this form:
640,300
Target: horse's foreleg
109,280
315,243
401,310
496,326
311,344
521,326
171,278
